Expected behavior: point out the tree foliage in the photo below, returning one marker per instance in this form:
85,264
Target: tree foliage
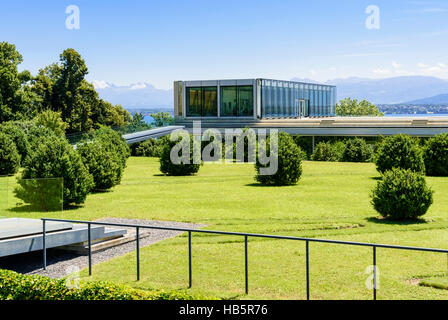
289,162
327,151
162,118
104,165
53,121
353,107
401,195
9,156
436,155
187,165
18,136
15,96
357,150
54,157
399,151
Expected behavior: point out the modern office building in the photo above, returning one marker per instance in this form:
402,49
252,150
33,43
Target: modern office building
252,99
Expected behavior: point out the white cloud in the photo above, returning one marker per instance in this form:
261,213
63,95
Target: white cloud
396,65
100,84
313,72
439,69
381,71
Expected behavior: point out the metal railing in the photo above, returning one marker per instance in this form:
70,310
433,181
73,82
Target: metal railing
374,246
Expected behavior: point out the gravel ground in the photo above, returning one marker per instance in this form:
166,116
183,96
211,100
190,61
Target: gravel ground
61,263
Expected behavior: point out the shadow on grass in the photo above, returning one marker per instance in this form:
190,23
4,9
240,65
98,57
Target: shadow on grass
31,208
257,184
396,222
376,178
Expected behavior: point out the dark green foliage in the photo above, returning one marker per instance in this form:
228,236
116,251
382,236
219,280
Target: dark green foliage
104,165
9,156
436,156
357,150
113,142
162,119
54,157
400,151
15,286
18,136
289,162
185,167
326,151
401,195
150,148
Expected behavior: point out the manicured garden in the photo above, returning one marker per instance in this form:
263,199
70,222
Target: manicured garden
331,200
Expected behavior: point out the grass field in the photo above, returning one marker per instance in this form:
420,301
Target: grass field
331,201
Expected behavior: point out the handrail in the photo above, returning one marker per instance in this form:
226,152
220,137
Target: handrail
245,235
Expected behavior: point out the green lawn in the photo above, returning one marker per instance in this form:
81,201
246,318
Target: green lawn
330,201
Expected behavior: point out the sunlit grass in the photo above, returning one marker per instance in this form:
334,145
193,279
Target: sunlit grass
330,201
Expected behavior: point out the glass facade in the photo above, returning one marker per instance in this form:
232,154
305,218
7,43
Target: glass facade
286,99
274,99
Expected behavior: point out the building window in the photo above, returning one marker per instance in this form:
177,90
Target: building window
202,102
229,101
245,101
237,101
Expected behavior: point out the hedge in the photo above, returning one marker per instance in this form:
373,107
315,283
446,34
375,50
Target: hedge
16,286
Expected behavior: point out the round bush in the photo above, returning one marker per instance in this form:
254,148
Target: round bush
186,166
9,156
18,136
436,156
104,166
150,148
401,195
54,157
113,142
325,151
289,162
399,151
357,150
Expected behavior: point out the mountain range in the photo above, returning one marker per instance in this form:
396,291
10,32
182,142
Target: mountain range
403,90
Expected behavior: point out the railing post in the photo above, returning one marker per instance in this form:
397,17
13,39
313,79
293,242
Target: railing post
307,270
246,265
374,273
90,248
137,232
44,244
189,260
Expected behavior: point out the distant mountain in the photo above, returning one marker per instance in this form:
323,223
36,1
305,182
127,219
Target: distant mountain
137,95
388,90
379,91
438,99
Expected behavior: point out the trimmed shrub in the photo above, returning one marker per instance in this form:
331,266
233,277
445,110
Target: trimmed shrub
113,142
15,286
357,150
150,148
9,156
186,165
104,166
18,136
399,151
436,156
326,151
289,162
401,195
54,157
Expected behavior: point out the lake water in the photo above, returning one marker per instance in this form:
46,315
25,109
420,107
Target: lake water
429,115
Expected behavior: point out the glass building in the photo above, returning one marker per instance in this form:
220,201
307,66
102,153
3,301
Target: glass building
252,99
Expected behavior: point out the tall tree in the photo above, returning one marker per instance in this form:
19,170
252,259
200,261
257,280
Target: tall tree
353,107
62,87
15,96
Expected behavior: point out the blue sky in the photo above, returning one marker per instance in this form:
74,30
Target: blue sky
156,41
